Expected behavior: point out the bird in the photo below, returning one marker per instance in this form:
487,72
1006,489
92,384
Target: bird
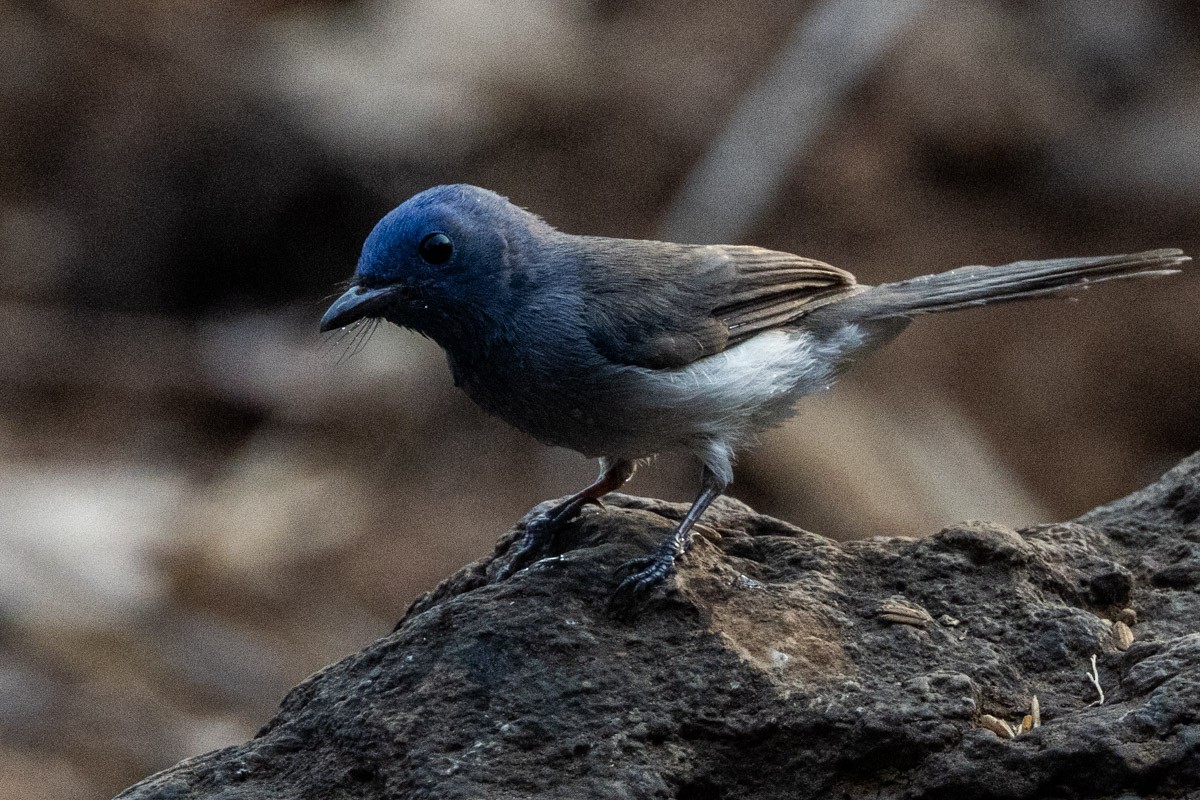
622,349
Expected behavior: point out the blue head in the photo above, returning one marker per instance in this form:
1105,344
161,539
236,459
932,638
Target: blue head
440,263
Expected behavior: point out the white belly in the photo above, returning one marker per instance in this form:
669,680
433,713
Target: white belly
718,403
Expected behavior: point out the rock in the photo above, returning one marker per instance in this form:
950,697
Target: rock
768,670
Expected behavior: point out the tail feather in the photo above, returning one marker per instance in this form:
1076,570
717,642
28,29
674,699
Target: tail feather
967,287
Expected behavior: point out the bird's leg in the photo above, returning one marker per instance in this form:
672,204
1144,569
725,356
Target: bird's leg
651,572
541,530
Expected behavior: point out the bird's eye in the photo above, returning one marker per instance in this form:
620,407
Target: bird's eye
436,248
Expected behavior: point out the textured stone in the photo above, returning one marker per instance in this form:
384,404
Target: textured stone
768,670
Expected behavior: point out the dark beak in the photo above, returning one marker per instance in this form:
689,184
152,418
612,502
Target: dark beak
357,303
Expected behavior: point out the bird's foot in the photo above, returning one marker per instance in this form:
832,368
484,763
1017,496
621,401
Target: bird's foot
642,575
638,580
540,532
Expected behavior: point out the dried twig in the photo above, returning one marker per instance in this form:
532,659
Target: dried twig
1094,675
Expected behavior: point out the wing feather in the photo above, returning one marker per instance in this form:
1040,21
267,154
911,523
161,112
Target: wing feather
679,303
774,289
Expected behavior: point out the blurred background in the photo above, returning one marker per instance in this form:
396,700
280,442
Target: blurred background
202,501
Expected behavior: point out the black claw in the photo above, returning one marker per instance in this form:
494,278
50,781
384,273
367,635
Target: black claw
631,567
539,532
633,591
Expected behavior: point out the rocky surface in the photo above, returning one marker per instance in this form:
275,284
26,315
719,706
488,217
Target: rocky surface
782,664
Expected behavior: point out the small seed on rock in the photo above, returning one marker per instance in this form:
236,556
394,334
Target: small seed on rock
746,582
1035,711
1027,723
1122,635
1128,616
903,612
997,726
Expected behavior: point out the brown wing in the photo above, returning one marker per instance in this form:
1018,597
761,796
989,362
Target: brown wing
661,305
773,289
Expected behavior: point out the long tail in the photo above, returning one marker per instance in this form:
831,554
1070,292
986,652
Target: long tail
976,286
